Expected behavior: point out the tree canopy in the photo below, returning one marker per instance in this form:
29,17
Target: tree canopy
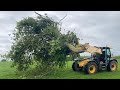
39,40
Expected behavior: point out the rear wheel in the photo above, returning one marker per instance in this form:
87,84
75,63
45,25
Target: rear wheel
75,66
90,68
112,66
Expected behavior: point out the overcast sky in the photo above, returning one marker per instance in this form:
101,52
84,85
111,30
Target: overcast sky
98,28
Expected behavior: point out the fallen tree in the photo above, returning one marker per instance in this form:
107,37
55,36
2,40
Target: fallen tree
39,40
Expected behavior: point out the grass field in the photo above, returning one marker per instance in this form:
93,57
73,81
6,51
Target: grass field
6,72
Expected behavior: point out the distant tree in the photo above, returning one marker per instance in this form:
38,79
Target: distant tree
3,60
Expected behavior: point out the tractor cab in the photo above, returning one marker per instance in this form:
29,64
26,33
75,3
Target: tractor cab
104,57
106,54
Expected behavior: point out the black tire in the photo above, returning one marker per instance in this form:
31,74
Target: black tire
89,67
112,66
75,66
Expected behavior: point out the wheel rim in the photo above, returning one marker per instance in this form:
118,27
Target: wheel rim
113,67
92,69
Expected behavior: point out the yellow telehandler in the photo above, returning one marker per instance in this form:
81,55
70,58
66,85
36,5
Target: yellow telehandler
100,59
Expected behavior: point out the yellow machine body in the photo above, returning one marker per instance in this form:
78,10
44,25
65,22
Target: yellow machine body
83,62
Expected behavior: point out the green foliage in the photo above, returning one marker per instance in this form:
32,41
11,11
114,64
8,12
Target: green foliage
39,40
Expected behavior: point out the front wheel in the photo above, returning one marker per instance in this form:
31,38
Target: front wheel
90,68
75,66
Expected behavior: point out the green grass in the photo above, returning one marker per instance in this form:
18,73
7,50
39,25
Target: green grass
68,73
6,72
